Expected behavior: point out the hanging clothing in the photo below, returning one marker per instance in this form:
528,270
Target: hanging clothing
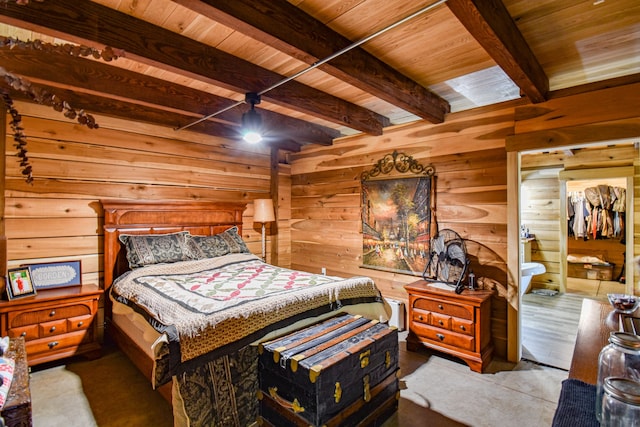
602,203
620,204
570,216
580,215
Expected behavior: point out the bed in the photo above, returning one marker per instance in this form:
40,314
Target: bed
191,318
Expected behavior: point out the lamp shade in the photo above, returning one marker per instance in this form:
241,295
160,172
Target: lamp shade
263,210
251,121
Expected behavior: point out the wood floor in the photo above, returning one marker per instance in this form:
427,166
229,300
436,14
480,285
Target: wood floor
550,323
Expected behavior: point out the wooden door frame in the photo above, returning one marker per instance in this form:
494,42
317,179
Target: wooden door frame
514,328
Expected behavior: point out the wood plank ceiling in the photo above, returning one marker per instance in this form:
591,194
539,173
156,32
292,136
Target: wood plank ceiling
187,59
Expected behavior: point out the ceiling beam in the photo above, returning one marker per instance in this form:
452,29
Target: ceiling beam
98,26
289,29
93,77
490,24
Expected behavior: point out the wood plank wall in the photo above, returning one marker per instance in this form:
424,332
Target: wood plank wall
59,216
470,162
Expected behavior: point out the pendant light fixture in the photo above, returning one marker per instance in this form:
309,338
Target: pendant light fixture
251,120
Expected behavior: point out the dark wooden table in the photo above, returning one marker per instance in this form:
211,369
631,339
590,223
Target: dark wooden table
597,321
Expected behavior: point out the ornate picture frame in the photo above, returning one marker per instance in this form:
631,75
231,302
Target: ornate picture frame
398,210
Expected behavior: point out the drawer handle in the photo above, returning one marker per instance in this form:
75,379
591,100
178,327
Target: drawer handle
24,334
53,313
80,324
420,317
440,337
440,307
53,329
463,328
441,322
53,344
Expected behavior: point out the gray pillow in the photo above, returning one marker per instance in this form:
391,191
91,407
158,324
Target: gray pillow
227,242
149,249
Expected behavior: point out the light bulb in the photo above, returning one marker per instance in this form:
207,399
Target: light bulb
252,137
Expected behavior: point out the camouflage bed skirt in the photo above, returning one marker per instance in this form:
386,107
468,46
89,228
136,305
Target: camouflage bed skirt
221,392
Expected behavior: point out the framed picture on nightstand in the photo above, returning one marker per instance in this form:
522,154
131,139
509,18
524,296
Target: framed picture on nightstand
19,283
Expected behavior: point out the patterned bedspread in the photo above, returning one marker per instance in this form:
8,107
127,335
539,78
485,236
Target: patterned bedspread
212,307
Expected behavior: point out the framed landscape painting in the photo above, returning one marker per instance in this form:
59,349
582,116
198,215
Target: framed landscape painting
397,219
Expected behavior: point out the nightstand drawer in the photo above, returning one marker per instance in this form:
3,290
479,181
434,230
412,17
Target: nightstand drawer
52,344
421,316
28,332
55,327
462,326
442,336
441,320
454,310
79,323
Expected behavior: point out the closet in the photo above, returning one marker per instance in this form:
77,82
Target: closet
596,228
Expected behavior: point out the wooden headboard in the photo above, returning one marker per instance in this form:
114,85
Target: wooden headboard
155,217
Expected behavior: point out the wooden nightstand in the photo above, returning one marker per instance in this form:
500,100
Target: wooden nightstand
459,325
55,323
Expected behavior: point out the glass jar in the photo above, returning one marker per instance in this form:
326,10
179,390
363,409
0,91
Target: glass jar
620,358
620,403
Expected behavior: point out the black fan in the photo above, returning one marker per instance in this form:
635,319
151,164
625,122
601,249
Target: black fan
448,260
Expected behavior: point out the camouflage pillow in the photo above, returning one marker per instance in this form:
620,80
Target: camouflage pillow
227,242
149,249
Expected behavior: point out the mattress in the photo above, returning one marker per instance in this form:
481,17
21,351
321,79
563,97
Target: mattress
137,328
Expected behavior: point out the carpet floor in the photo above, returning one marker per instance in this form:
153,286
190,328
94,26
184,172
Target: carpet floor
107,392
435,391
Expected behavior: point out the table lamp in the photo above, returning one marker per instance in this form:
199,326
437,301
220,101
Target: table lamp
263,213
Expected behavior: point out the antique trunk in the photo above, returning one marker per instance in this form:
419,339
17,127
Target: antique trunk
592,271
338,372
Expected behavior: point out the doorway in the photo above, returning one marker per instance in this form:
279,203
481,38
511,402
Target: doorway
548,323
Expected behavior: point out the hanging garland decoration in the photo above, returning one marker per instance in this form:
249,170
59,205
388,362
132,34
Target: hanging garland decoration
42,96
19,139
107,54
